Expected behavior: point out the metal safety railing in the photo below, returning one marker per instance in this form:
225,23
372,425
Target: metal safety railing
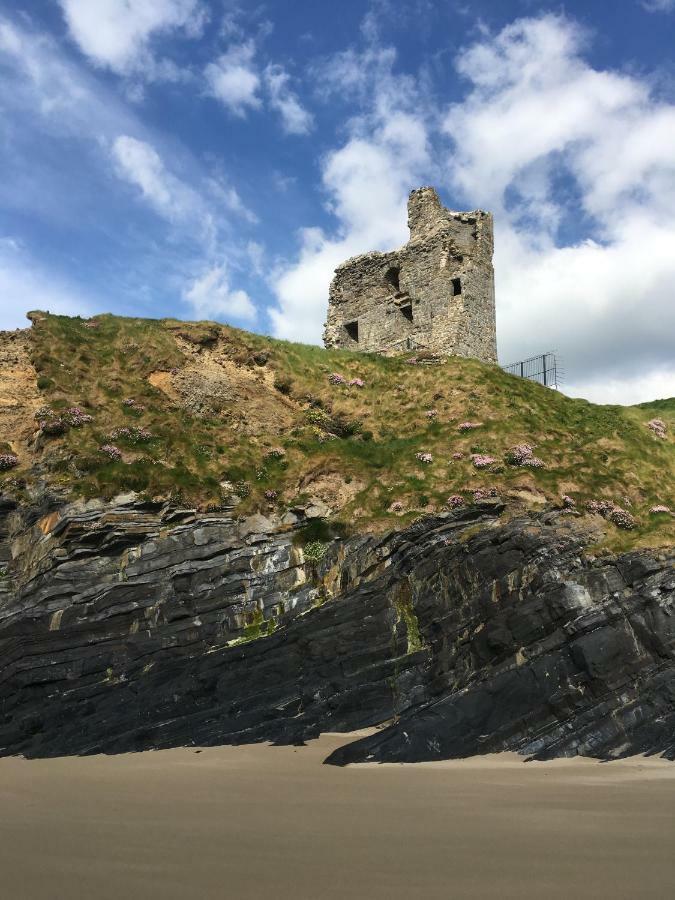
544,368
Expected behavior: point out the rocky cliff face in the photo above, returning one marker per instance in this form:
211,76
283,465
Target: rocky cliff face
127,626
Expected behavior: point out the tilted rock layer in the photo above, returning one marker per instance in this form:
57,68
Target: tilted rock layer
126,626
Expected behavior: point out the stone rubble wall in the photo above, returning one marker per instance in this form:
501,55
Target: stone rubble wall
407,299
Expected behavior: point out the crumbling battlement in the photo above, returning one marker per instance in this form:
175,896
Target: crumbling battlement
436,293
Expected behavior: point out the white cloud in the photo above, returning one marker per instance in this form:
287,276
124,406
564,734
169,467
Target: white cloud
367,181
294,117
536,109
659,5
211,296
234,80
25,285
553,147
117,34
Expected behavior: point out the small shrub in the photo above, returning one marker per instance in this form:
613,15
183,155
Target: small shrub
283,384
314,551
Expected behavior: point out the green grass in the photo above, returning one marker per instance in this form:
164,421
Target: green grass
589,451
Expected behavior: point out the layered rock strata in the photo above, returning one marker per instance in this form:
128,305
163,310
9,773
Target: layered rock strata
129,626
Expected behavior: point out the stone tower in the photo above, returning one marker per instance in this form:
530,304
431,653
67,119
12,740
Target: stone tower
436,293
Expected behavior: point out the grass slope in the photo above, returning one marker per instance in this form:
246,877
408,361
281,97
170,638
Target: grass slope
216,400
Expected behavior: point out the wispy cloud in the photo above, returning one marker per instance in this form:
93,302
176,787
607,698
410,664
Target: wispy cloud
664,6
295,118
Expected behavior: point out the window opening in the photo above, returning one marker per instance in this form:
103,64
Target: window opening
352,329
456,287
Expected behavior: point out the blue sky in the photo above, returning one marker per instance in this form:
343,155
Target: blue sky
204,159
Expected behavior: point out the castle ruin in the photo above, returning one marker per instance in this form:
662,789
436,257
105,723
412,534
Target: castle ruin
436,293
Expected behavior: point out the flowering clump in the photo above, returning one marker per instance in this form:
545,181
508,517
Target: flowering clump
659,508
91,324
425,458
458,456
275,453
336,378
134,435
54,425
467,426
76,417
413,361
357,382
484,493
658,426
455,501
397,506
622,518
8,461
522,455
613,513
431,414
271,496
568,502
111,451
133,404
482,460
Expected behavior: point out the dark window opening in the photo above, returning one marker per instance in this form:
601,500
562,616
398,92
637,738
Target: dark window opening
456,287
392,277
407,312
352,329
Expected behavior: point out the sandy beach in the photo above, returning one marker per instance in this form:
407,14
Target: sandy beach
263,822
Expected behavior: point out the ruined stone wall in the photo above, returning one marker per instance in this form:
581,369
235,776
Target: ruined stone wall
435,293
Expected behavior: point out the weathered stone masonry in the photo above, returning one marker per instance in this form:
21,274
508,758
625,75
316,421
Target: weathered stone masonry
436,293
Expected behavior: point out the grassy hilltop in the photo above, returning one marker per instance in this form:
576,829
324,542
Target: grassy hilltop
202,411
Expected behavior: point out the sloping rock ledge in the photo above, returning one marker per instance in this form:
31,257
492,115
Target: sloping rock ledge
130,626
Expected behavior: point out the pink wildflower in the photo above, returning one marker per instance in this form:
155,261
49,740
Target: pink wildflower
8,461
482,460
455,501
484,493
522,455
613,513
336,378
658,426
425,458
467,426
397,506
357,382
568,502
458,456
659,508
431,413
271,496
113,452
76,417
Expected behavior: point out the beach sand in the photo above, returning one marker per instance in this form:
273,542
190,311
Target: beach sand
273,822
